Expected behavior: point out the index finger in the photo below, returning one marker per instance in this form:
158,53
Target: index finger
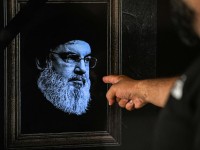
112,79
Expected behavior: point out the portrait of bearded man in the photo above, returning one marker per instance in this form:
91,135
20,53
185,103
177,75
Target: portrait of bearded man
65,81
61,88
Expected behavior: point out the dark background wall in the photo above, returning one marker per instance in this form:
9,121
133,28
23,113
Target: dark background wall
1,80
149,44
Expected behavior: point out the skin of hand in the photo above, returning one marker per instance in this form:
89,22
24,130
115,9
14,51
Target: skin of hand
133,94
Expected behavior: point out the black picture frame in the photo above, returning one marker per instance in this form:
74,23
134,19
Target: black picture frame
105,128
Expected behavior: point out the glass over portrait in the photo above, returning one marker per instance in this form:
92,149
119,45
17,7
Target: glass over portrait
62,54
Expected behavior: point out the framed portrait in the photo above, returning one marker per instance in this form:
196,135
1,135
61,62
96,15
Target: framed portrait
54,94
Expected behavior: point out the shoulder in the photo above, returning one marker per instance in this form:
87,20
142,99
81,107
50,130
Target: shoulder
178,123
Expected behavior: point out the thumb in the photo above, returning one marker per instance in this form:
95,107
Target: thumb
112,79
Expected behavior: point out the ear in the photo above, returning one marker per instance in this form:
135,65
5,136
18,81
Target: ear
50,56
38,64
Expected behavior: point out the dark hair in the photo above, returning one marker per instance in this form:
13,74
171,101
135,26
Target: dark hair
57,24
183,19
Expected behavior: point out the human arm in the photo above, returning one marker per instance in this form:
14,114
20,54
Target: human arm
130,93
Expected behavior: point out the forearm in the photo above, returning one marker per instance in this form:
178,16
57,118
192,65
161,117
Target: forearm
157,90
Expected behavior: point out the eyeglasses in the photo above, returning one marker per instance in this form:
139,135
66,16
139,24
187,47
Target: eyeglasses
73,58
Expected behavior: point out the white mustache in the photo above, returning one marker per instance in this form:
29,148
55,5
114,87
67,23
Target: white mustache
78,78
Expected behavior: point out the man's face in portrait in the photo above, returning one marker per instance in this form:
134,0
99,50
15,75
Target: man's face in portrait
65,81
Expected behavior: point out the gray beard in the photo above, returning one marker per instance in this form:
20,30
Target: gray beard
68,98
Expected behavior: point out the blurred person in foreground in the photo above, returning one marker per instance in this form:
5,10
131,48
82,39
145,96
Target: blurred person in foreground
178,127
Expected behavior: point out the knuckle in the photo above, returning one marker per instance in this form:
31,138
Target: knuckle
121,77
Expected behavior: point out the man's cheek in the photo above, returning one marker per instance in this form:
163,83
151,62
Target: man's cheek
87,74
65,71
62,67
